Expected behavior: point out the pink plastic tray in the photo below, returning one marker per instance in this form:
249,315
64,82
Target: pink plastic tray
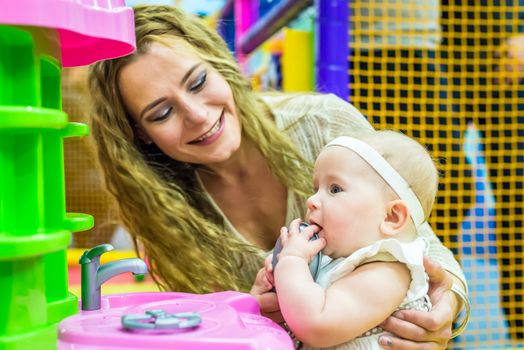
230,321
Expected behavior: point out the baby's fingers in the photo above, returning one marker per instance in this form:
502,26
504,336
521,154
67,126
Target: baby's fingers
294,226
309,231
284,235
318,244
268,266
268,263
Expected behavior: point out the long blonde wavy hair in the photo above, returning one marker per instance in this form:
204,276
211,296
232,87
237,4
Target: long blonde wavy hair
160,202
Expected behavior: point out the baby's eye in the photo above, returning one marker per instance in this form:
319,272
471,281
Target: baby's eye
335,189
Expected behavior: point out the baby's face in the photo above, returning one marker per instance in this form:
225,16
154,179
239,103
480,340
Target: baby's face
349,203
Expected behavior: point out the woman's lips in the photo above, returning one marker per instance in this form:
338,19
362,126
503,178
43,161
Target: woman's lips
213,133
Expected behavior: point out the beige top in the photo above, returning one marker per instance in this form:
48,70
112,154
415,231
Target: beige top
311,121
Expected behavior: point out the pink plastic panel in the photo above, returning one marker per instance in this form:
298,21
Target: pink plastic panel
90,30
230,321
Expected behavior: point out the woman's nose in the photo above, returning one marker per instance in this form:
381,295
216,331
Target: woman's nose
194,113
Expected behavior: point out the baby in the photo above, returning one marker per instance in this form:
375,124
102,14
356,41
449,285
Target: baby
373,196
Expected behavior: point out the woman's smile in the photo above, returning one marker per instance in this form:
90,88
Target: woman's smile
196,105
212,134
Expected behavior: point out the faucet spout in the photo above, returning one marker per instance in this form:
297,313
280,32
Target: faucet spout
113,268
94,274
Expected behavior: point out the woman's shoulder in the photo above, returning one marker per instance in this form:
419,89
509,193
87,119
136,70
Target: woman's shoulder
308,102
326,110
311,120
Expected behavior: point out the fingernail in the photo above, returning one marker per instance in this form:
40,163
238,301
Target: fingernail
385,341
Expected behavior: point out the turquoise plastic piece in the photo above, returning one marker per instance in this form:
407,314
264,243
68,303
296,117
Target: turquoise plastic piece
35,229
161,320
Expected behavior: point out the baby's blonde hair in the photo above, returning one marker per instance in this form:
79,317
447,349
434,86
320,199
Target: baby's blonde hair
410,159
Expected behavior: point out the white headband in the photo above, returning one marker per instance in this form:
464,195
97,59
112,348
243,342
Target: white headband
387,172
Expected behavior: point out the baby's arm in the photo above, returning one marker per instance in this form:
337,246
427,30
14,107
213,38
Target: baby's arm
348,308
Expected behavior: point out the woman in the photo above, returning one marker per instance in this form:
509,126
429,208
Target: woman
205,172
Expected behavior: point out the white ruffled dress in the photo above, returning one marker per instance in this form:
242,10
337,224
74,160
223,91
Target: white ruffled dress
416,298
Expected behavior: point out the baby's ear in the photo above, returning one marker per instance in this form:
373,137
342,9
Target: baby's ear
396,219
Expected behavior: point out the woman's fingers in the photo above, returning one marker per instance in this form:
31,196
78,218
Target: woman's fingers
269,307
393,343
411,329
418,328
268,302
404,329
438,277
420,325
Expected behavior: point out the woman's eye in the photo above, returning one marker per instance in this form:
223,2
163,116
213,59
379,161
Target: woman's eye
163,115
335,189
199,83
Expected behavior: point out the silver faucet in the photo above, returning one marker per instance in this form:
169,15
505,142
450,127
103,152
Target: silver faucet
94,275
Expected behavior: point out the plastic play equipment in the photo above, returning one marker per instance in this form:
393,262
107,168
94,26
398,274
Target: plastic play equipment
216,321
223,320
37,38
88,30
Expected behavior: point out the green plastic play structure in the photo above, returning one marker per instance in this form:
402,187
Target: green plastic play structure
34,228
38,38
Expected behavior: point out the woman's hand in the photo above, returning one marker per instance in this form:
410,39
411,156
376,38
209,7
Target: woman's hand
412,329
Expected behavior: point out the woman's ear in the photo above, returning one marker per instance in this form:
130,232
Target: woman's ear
396,219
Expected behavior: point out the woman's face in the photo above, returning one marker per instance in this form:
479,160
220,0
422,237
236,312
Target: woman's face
183,105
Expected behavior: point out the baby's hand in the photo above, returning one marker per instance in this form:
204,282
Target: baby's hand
261,290
263,282
268,266
299,244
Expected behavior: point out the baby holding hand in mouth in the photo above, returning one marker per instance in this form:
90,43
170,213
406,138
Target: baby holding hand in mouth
373,195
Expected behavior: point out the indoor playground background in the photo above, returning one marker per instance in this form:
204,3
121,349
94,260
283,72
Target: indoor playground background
458,97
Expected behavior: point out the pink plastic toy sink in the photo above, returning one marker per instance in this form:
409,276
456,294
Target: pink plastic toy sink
89,30
229,321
